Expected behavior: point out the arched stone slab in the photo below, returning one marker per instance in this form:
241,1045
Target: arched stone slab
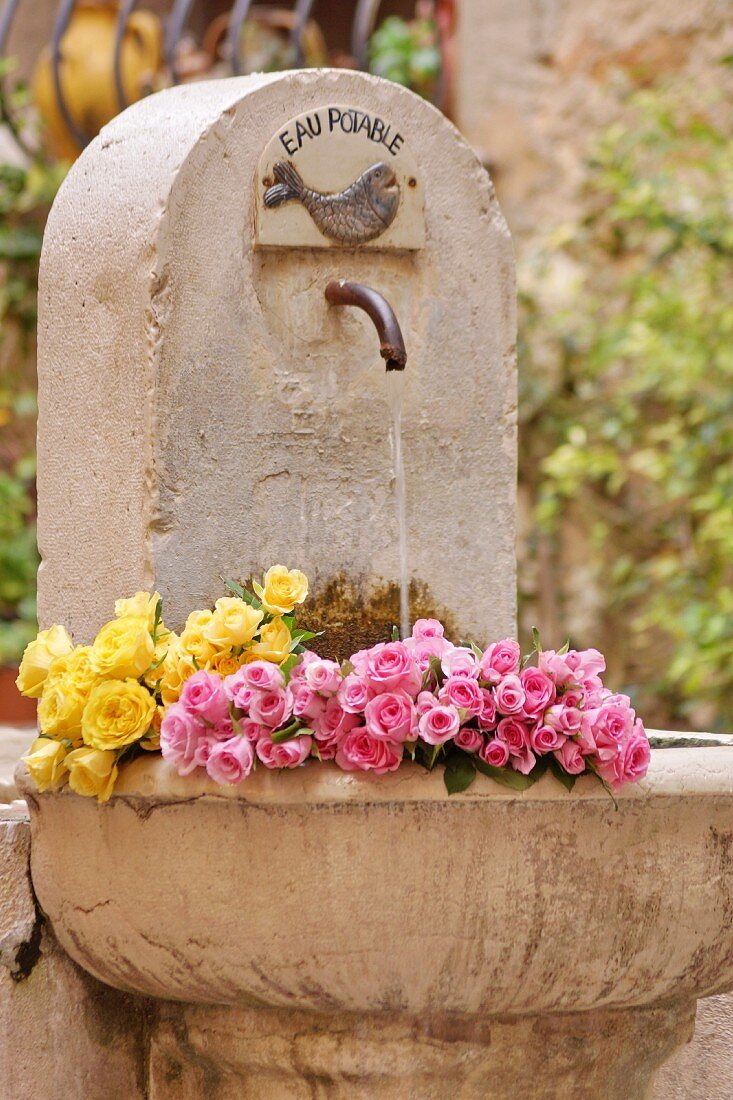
203,412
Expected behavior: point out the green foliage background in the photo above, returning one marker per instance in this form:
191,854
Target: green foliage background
627,402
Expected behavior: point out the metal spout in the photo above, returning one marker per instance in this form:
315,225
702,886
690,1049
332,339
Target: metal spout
391,345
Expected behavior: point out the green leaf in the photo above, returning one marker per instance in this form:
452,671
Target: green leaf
563,649
288,665
346,668
298,639
156,623
395,634
536,642
293,729
567,780
507,776
233,587
460,772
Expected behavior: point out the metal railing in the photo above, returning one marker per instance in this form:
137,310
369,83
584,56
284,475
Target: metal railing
175,31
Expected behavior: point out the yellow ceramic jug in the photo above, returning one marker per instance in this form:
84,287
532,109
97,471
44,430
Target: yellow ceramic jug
86,72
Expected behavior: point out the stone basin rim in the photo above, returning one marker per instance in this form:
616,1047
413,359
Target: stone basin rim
673,772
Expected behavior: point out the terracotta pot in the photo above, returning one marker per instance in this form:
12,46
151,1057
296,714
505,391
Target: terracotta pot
15,710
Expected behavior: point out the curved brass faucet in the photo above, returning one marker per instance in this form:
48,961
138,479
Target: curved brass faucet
391,344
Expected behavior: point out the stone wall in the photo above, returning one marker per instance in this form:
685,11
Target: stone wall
538,79
63,1036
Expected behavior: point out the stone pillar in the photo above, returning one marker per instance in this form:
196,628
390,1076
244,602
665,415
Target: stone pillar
203,412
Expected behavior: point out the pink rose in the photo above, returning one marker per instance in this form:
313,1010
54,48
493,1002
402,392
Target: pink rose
427,628
324,677
306,703
354,693
390,667
524,761
271,708
330,727
539,691
571,758
203,695
391,716
180,731
515,734
495,753
424,650
425,701
288,754
567,720
463,693
358,661
607,726
439,724
262,675
470,740
360,751
238,690
544,739
486,717
460,662
298,671
230,761
253,731
500,659
637,755
509,695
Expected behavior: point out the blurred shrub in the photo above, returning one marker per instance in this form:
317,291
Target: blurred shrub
26,193
627,406
407,53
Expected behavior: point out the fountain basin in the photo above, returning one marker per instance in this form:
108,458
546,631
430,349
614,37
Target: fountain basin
359,936
324,890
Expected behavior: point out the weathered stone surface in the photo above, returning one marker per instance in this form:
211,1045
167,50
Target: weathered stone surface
221,417
248,1054
703,1068
352,863
14,741
18,919
63,1036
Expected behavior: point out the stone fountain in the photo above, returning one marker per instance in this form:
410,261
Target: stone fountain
204,410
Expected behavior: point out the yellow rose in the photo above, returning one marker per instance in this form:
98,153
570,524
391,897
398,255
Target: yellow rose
140,606
92,772
283,589
177,668
48,645
61,708
274,644
123,648
194,642
47,764
117,713
78,669
162,648
151,743
69,681
234,623
224,663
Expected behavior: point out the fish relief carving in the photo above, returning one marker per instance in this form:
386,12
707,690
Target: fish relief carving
358,214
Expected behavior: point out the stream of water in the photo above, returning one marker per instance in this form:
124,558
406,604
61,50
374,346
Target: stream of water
395,392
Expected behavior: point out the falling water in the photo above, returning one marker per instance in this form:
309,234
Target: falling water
395,391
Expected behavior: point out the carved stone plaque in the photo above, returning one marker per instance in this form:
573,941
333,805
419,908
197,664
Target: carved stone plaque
339,177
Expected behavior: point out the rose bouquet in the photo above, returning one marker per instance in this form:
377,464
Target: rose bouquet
237,690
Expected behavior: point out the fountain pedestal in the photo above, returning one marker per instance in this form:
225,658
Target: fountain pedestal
368,936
